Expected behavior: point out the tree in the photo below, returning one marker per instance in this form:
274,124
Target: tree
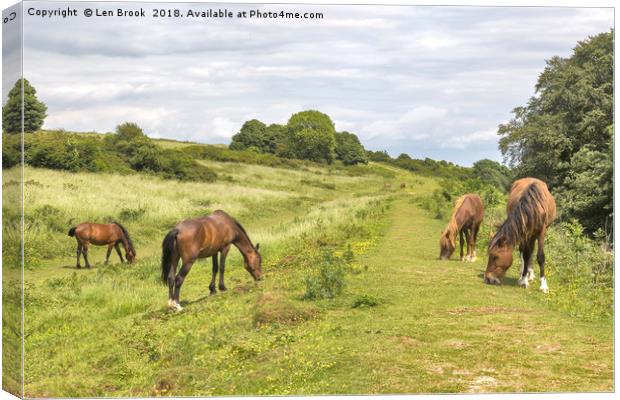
492,173
349,149
564,134
310,136
252,134
274,135
34,110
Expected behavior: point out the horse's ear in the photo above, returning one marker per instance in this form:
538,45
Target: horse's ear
257,246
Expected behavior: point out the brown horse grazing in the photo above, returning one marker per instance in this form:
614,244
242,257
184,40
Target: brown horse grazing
531,208
201,238
112,235
466,218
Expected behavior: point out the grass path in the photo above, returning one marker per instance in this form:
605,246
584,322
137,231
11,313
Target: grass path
440,329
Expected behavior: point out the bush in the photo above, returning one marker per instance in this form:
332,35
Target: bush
126,151
580,271
329,279
11,150
365,300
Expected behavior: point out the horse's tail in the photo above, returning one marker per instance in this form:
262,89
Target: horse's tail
71,232
167,247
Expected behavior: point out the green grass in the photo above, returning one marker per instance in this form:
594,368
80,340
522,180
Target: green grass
404,323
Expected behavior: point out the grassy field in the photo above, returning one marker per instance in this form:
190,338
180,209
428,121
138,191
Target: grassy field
405,322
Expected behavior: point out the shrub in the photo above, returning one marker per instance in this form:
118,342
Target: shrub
329,279
124,152
365,300
580,271
11,150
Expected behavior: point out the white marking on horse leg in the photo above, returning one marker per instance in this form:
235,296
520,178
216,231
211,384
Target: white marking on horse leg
524,282
170,303
543,285
530,274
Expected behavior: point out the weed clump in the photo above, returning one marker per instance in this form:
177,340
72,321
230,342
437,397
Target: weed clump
329,279
365,300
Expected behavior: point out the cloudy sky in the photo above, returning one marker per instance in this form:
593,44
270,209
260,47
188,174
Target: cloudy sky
429,81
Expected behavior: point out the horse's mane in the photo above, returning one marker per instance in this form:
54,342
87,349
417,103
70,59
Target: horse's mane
242,229
126,234
452,228
525,219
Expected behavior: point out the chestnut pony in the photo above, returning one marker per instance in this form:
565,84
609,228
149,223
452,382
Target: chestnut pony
112,235
466,218
201,238
531,209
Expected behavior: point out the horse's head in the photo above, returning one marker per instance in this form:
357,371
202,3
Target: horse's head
130,254
500,259
253,263
446,247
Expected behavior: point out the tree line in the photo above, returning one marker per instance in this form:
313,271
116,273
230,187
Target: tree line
308,135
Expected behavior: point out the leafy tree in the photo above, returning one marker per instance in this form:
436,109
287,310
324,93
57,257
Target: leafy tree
564,134
275,135
493,173
252,133
349,149
310,136
34,110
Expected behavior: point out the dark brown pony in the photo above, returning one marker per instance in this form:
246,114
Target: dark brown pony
531,208
201,238
466,218
112,235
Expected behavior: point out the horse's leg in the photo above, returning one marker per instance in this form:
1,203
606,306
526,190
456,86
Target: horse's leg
107,256
178,282
467,240
223,255
461,242
540,257
474,234
79,253
469,233
85,252
118,251
213,274
171,276
526,251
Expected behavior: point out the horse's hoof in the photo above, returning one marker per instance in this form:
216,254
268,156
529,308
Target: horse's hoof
173,305
543,285
222,288
524,283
